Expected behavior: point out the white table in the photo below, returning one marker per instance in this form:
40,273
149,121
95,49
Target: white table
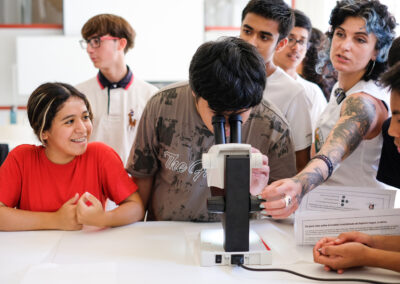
151,252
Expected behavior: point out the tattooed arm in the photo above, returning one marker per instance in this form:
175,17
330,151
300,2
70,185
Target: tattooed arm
361,118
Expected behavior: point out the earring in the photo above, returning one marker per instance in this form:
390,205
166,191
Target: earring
370,71
42,139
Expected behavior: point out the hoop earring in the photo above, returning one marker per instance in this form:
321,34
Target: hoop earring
370,71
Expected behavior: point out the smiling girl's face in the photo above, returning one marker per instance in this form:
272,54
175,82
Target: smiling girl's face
69,132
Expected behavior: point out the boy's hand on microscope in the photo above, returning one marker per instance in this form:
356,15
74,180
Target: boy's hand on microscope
260,176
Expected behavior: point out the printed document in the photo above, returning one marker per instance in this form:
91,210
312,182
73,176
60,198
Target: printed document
330,210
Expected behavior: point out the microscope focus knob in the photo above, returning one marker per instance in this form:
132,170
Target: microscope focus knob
255,204
216,204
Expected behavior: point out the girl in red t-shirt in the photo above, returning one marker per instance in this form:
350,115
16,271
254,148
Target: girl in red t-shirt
64,183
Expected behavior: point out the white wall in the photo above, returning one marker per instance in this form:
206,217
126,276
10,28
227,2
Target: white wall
43,59
319,11
168,34
394,8
8,61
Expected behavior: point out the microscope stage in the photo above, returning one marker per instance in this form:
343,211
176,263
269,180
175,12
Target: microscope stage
212,251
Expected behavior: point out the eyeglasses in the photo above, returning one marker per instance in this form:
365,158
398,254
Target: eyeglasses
94,42
292,42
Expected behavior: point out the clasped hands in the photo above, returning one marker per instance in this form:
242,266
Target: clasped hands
79,211
347,250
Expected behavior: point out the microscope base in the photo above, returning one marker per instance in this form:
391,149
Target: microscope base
212,251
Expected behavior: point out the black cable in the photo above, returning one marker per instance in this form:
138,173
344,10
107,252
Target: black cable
315,278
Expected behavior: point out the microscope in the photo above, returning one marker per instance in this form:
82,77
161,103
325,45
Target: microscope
229,167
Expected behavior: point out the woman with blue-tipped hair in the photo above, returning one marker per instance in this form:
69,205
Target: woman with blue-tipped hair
352,249
348,141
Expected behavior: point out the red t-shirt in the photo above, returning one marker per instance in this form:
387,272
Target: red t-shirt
30,181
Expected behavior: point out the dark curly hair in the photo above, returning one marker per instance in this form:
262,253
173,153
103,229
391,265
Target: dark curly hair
229,74
378,21
316,70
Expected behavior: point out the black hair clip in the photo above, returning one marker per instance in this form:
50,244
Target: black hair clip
340,95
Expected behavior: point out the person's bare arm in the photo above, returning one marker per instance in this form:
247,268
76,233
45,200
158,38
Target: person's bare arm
129,211
353,254
145,186
391,243
383,259
12,219
361,118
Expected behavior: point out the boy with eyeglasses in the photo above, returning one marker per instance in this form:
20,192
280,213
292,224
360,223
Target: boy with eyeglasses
117,96
265,25
289,57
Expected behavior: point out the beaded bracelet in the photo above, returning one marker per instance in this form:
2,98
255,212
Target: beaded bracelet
328,163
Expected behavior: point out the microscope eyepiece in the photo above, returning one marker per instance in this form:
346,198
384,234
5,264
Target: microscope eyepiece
218,118
235,122
218,122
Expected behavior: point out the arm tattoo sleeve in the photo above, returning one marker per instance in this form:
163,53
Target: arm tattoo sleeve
354,123
309,180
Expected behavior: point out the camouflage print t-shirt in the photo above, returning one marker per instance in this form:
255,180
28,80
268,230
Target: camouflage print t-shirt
171,139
